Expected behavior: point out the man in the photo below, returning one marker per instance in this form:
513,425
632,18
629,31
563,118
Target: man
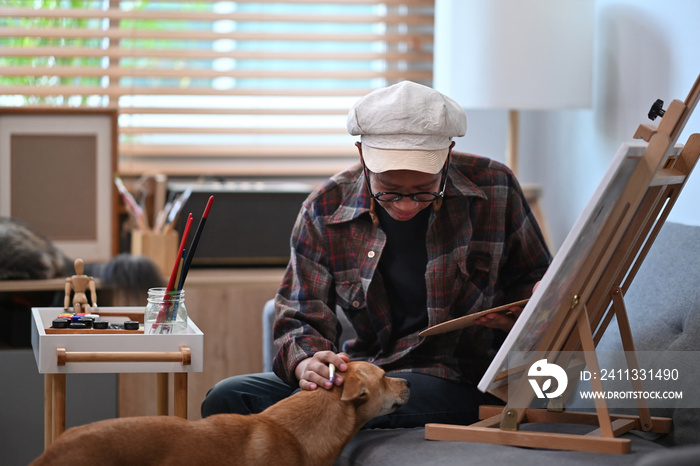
412,236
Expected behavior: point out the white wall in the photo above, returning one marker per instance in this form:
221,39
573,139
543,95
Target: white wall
645,50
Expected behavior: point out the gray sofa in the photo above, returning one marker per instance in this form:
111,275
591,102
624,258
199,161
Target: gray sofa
663,305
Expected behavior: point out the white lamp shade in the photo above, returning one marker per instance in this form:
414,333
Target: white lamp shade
515,54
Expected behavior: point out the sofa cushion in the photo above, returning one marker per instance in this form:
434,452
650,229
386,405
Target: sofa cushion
688,455
664,298
663,306
409,447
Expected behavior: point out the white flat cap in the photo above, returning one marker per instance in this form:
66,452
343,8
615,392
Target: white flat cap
406,126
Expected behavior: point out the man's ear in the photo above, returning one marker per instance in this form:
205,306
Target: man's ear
358,144
449,152
353,389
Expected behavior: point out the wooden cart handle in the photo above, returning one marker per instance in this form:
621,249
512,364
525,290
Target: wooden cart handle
183,356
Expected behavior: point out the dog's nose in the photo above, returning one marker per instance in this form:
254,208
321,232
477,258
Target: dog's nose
408,383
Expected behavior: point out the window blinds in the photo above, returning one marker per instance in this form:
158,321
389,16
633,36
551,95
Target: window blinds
216,87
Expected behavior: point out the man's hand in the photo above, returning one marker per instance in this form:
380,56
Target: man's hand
313,372
502,321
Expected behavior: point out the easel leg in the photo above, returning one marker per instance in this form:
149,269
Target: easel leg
632,363
180,394
162,395
588,346
518,401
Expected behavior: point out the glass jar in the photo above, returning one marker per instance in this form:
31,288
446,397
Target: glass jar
165,314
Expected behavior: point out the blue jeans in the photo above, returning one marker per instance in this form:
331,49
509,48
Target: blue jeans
432,400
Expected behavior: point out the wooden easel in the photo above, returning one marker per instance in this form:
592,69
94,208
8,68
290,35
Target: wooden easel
596,295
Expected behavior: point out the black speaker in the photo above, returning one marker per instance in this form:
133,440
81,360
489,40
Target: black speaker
249,223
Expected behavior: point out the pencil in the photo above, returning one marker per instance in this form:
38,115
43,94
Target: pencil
193,246
172,307
173,276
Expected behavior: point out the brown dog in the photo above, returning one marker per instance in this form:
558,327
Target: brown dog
307,429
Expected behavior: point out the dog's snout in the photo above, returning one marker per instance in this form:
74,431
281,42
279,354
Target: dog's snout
408,383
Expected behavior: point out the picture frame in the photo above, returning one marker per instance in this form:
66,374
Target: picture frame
57,170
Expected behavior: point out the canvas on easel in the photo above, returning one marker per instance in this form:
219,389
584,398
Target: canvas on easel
582,290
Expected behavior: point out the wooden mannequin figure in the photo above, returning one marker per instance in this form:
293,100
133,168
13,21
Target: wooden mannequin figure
79,284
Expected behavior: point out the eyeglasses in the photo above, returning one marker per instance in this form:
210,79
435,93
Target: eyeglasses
418,197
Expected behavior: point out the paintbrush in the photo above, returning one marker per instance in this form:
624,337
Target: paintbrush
331,368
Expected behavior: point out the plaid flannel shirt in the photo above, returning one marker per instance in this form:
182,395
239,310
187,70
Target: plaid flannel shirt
484,249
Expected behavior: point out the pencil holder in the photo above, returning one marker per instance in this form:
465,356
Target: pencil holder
161,248
165,313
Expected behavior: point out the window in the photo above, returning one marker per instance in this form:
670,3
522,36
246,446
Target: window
216,87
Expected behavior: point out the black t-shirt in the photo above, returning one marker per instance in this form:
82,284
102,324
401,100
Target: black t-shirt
402,265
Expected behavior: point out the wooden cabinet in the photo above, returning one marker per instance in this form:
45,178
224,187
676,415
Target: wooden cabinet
226,305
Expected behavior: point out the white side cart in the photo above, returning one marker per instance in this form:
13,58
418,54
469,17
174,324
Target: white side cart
118,352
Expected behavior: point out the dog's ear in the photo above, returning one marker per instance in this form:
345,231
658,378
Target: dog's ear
353,389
